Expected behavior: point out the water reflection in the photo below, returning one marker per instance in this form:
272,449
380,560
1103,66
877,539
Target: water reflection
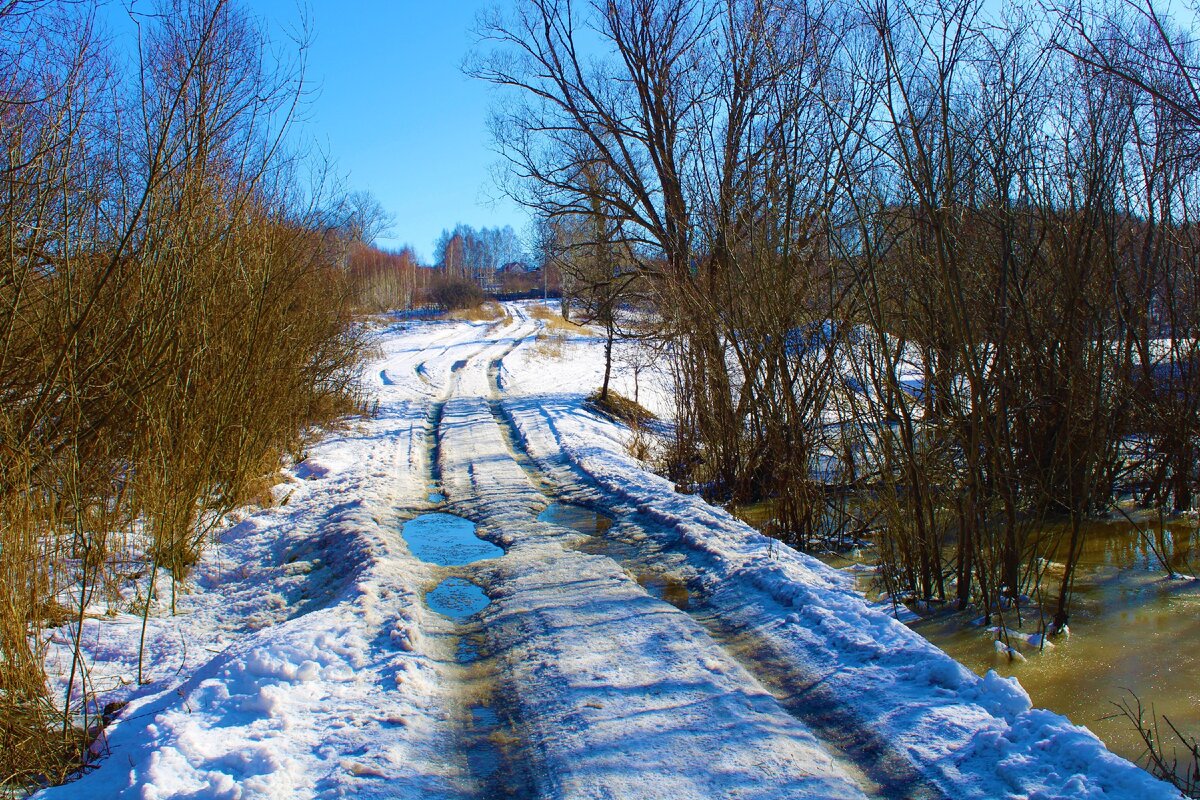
576,518
1133,628
667,588
447,540
457,599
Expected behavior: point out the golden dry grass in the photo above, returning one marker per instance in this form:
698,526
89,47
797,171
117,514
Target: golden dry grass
491,311
550,345
554,320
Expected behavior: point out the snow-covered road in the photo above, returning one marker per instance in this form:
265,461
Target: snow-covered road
629,641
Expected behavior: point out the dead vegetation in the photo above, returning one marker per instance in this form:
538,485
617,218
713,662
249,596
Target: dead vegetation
553,319
621,408
994,316
488,311
172,317
643,444
1162,755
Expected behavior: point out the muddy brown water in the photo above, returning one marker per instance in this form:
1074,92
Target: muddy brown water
657,583
1133,630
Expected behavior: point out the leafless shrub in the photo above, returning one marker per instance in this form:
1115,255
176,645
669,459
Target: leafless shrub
452,293
1183,774
171,319
970,244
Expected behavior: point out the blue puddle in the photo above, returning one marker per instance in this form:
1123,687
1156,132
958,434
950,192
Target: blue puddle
467,651
457,598
450,541
447,540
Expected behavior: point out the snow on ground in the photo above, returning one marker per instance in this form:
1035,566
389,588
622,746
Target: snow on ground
305,662
297,667
969,736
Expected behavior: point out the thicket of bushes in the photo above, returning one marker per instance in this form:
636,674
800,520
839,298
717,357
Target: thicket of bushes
451,293
939,255
173,313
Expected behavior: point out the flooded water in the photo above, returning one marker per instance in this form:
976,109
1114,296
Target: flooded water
621,552
447,540
662,585
483,756
469,649
759,515
576,518
457,598
1132,628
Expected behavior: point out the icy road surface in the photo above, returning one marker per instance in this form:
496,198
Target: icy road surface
650,647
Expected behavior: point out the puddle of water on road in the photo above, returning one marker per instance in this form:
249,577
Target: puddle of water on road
457,599
621,552
447,540
469,649
661,585
667,588
483,755
576,518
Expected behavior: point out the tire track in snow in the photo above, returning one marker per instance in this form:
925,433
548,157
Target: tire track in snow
881,769
444,342
605,692
487,729
875,774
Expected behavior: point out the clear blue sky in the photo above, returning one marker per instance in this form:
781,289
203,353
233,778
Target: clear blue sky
396,113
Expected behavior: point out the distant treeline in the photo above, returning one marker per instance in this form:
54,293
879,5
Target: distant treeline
492,260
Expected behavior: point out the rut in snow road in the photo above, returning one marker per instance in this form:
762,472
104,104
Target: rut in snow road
880,768
711,726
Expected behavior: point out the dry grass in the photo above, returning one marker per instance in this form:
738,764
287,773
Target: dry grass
491,311
550,346
643,444
621,408
554,321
